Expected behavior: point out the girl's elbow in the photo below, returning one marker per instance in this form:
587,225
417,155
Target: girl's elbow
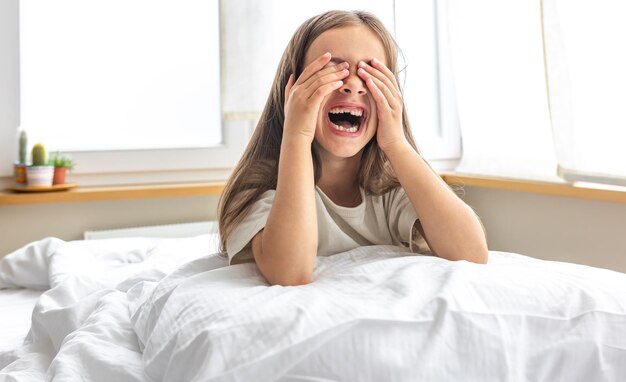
483,259
480,257
295,279
476,253
284,271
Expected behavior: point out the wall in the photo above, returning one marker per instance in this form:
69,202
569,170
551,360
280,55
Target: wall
553,228
9,85
546,227
22,224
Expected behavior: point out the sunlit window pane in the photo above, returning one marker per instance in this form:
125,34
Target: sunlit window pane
120,74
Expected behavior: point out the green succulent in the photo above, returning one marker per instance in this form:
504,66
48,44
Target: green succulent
62,160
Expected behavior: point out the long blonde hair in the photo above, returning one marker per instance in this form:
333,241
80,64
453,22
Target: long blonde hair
257,170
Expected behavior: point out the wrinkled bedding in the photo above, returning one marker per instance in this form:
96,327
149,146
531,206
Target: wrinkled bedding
172,310
16,307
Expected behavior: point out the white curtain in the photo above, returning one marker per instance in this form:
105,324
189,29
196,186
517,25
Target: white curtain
541,88
498,68
586,72
254,36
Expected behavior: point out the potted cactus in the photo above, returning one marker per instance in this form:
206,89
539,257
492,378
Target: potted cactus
19,167
62,163
40,173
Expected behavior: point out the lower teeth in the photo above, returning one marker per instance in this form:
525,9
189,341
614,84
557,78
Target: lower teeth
352,129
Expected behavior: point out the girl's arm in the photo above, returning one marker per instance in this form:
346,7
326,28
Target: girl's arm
451,228
286,248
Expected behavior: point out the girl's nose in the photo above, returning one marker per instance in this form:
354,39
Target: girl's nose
353,84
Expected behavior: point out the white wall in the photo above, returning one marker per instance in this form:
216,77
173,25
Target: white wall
22,224
546,227
552,227
9,85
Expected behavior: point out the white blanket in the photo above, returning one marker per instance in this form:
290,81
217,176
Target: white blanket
81,325
142,310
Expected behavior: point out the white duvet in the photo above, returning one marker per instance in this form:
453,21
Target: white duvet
151,310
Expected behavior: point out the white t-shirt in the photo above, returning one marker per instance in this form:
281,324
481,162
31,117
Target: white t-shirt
383,219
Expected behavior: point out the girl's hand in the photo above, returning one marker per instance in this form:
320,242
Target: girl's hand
304,97
386,93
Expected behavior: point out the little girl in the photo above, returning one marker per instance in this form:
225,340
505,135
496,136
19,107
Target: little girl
332,164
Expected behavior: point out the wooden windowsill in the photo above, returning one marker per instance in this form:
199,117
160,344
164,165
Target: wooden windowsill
83,194
589,191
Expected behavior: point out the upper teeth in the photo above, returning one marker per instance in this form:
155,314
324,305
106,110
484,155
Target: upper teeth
355,112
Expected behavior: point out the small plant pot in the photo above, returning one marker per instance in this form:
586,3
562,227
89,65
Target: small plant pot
40,175
59,175
19,171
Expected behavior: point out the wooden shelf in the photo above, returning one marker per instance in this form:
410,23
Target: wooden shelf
587,191
83,194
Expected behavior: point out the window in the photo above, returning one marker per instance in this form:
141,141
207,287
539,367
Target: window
260,31
421,32
125,85
132,88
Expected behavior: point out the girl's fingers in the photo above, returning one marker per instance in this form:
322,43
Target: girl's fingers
313,67
326,76
382,73
376,63
329,70
325,90
390,98
288,87
378,95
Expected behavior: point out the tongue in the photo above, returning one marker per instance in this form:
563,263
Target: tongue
344,124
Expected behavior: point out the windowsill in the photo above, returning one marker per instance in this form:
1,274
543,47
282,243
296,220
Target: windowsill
86,194
83,194
579,190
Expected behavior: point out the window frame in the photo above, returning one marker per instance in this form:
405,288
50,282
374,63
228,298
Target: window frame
441,146
110,167
100,167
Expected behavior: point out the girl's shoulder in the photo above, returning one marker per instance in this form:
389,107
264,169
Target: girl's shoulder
389,194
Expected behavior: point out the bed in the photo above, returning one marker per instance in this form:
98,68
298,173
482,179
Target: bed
139,309
16,307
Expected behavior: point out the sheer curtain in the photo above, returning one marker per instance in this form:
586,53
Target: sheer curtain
541,88
498,68
586,75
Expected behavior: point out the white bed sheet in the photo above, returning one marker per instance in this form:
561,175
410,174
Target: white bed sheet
171,310
16,308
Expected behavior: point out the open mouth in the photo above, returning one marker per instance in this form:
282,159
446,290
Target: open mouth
348,119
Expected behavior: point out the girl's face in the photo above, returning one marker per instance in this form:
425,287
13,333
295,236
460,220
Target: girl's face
347,119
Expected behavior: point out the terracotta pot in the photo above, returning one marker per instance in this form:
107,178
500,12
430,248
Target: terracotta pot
19,170
59,175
